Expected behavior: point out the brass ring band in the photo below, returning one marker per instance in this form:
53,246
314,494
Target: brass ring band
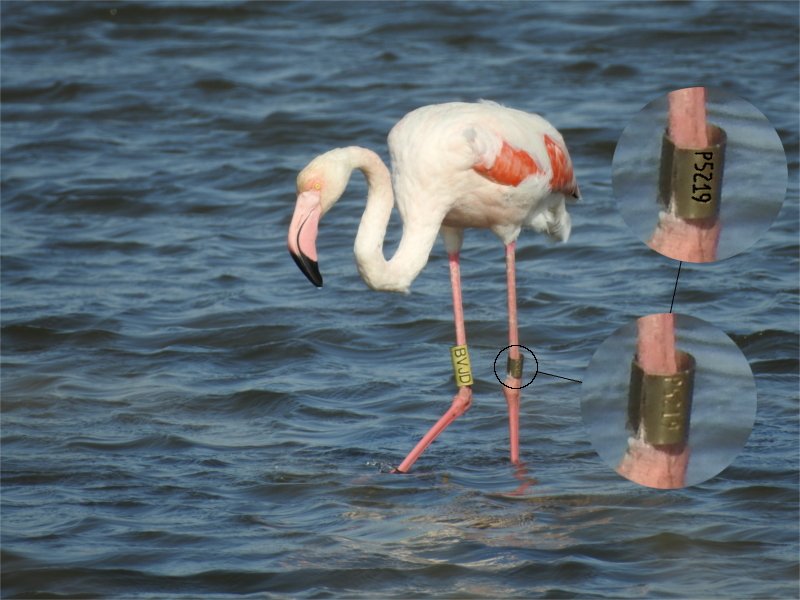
690,179
514,366
660,406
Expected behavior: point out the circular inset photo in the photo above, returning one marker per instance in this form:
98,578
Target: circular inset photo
668,401
699,174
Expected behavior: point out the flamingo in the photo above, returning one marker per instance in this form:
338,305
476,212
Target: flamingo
455,165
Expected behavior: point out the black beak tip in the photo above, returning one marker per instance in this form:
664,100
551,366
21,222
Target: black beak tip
309,267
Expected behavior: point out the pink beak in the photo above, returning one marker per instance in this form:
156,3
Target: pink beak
302,238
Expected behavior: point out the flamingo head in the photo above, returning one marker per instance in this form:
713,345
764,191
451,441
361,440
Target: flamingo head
319,186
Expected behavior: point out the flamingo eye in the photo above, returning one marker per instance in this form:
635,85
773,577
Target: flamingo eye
317,185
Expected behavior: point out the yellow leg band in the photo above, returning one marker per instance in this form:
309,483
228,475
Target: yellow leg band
461,366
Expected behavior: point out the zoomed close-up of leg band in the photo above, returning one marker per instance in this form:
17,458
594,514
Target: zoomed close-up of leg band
660,406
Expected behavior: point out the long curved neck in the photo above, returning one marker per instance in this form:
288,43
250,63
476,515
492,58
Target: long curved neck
396,274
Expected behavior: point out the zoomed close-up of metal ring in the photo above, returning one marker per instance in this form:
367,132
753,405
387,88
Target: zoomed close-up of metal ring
690,179
660,406
704,408
699,174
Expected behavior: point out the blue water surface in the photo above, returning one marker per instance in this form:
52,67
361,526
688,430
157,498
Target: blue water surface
184,416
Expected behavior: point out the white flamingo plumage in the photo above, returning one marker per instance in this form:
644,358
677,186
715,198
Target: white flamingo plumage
455,165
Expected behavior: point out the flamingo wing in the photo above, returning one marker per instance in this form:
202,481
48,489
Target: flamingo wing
563,178
506,164
511,166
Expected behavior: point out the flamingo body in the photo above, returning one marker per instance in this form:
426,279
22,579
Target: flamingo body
454,166
482,165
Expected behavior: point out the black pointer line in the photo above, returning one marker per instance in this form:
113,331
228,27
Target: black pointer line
559,377
675,289
671,304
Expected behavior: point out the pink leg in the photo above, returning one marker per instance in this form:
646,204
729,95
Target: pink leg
463,399
512,392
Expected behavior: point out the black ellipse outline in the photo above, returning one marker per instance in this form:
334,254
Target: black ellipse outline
516,346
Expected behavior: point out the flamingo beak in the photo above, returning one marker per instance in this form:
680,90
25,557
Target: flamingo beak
302,237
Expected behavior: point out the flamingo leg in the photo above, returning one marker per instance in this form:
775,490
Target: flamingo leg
463,399
512,386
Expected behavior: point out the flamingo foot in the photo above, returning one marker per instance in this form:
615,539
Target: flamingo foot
512,394
461,403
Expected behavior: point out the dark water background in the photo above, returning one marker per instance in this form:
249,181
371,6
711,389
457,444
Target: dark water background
184,415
